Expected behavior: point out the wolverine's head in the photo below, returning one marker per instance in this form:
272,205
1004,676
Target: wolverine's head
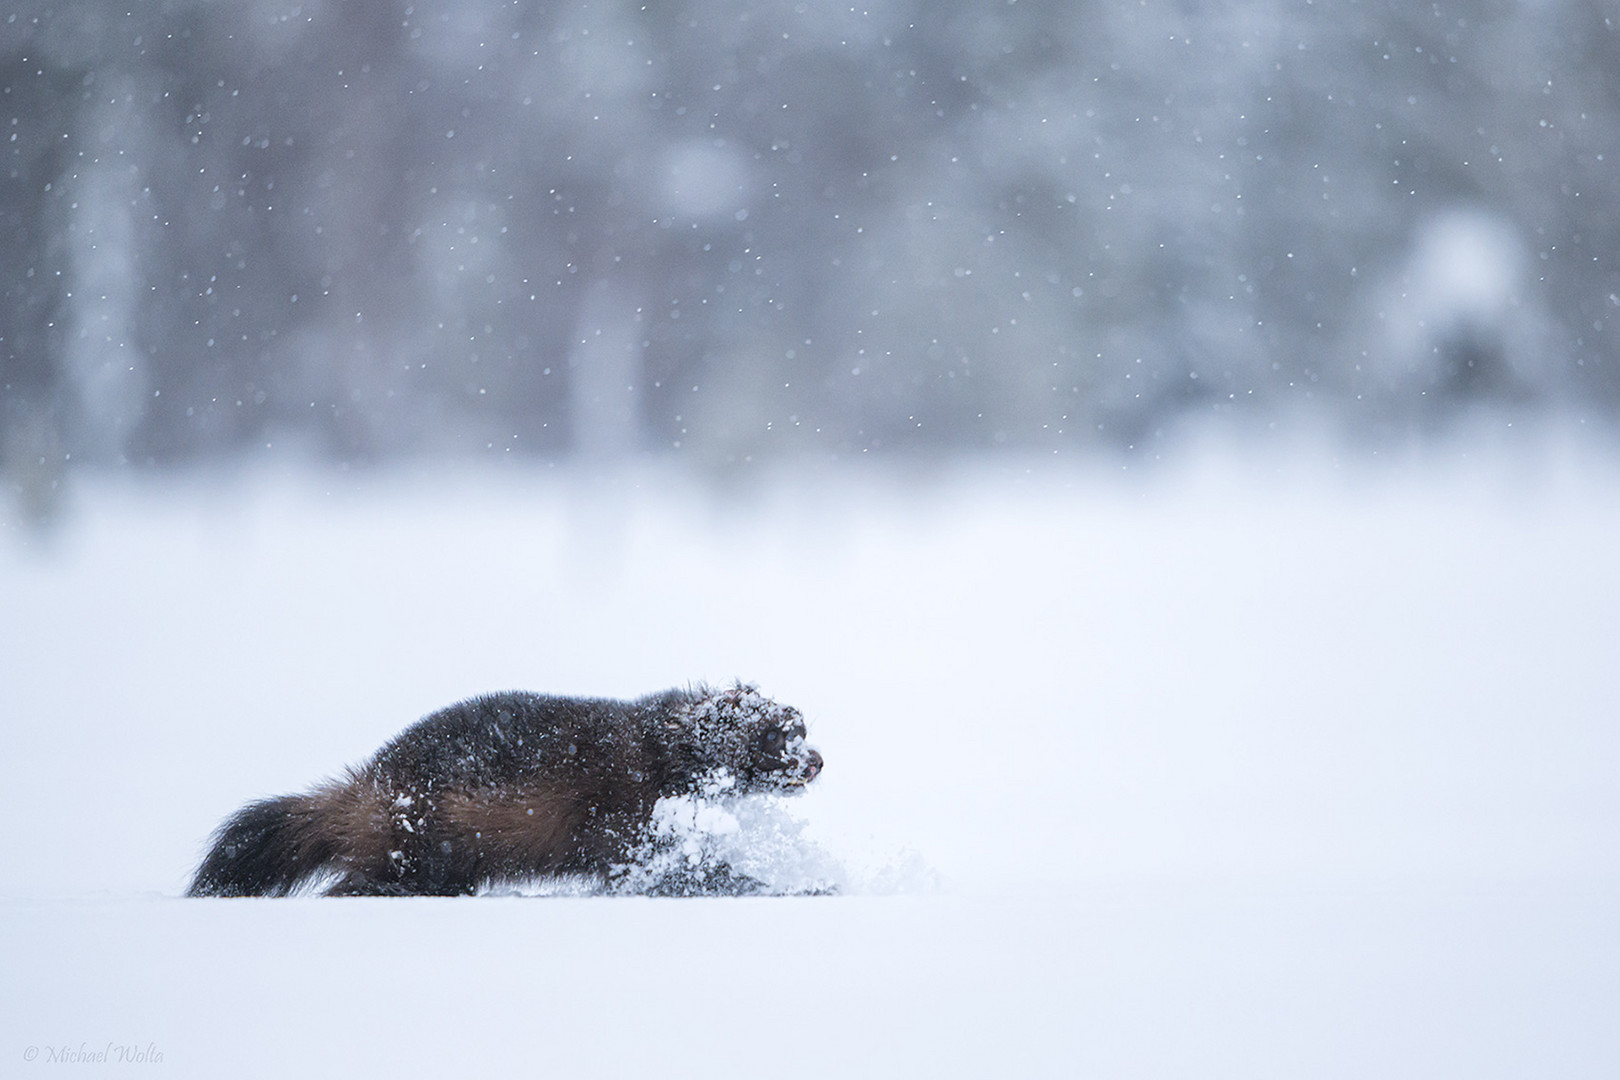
759,742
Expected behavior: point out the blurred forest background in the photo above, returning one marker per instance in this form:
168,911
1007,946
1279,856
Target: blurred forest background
740,230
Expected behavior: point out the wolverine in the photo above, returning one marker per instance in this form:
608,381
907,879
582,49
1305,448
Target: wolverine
505,788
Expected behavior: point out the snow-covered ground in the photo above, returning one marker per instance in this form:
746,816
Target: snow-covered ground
1257,766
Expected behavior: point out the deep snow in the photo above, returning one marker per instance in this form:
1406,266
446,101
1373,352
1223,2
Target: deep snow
1246,768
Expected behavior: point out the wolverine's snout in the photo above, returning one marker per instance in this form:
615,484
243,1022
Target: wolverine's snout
803,770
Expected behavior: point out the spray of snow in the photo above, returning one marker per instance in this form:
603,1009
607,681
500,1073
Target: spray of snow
713,842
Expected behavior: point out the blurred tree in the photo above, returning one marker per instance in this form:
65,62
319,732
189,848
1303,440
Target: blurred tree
405,228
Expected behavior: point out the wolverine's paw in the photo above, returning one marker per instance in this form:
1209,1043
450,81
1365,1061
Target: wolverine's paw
358,884
701,879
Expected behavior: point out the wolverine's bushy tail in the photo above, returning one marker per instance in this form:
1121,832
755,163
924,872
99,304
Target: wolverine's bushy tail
267,848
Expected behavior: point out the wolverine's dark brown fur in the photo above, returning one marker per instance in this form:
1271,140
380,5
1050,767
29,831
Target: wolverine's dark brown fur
504,788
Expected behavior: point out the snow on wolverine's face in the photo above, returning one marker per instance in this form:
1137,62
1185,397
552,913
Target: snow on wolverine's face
764,742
